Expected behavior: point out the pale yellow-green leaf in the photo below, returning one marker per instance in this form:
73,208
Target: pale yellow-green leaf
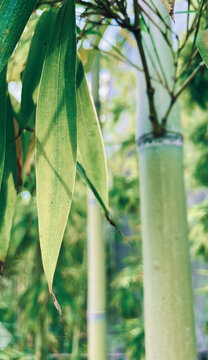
90,144
56,138
33,68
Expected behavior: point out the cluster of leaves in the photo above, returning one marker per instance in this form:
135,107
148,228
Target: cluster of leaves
25,289
57,106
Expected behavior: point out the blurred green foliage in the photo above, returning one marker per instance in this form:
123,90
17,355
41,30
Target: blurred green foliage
26,308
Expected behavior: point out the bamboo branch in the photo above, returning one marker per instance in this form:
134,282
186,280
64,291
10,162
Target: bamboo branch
183,87
150,89
168,27
157,26
191,58
125,59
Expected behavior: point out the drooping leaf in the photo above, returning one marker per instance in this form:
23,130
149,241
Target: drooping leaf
170,4
202,45
8,190
107,214
56,138
14,15
2,121
33,69
90,144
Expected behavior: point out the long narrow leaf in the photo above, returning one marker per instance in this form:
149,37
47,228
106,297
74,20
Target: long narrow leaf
14,15
2,121
33,69
8,190
90,143
107,214
56,138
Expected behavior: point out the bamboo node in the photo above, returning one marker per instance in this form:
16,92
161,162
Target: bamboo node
168,138
93,316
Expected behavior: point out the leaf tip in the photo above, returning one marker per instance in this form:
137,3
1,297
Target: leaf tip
56,304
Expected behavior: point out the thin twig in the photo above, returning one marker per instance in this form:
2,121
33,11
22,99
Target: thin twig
183,87
152,62
187,22
157,26
150,89
185,68
168,27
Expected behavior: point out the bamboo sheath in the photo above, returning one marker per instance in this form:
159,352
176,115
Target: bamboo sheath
96,262
168,299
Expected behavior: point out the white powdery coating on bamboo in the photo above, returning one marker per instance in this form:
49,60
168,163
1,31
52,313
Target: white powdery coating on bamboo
148,140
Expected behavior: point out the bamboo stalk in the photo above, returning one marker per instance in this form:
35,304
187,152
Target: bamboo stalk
77,328
96,283
168,304
167,275
96,262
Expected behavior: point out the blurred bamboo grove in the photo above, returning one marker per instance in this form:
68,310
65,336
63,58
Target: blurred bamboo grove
51,147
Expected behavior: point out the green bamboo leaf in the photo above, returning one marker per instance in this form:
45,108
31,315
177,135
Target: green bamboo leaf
90,144
56,138
107,214
83,175
202,45
14,15
33,69
170,4
8,190
2,121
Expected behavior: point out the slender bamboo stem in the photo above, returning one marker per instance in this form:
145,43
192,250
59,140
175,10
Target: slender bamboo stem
96,283
77,327
96,262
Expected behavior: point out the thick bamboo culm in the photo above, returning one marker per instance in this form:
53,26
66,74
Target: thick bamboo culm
169,320
168,304
96,262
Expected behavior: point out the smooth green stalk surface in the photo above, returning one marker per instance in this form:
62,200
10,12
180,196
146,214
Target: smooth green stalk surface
167,275
96,258
168,298
96,283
